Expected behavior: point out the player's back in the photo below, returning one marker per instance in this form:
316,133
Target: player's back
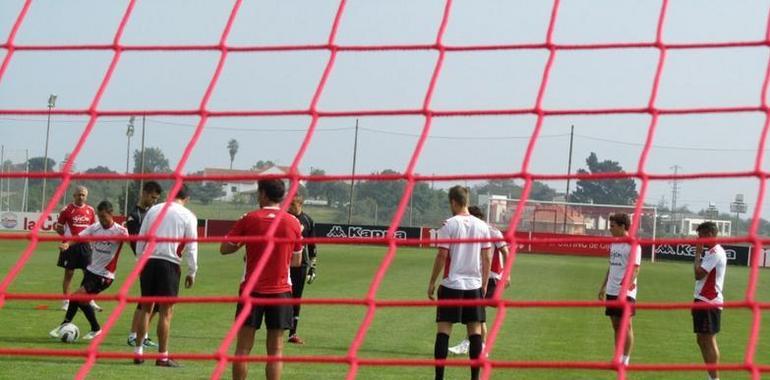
274,278
178,222
463,269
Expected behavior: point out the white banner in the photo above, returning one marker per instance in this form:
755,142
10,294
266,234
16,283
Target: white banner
24,221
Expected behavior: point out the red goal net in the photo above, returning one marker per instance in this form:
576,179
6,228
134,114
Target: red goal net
204,112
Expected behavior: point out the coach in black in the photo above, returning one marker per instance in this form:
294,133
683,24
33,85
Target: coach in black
301,267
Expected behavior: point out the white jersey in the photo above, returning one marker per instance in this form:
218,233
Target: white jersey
463,265
709,289
178,223
619,259
496,270
104,253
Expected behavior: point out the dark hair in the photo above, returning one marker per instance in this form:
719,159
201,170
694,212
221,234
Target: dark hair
298,198
709,228
476,211
104,206
459,195
274,189
151,187
621,219
183,193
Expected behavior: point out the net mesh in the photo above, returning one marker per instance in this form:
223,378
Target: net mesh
352,358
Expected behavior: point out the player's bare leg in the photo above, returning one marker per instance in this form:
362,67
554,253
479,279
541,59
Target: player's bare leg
145,309
137,320
243,347
164,326
710,351
274,345
629,337
65,286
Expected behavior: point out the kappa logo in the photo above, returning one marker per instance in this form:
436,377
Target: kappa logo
362,232
336,232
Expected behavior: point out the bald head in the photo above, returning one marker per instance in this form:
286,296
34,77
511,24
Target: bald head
80,196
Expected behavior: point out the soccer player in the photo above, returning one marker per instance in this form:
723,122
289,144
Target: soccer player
161,275
466,269
709,268
499,258
620,257
151,192
303,267
73,219
272,282
101,272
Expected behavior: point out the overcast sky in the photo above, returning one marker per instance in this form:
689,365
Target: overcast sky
398,80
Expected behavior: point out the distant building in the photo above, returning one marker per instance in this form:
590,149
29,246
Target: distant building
233,188
687,224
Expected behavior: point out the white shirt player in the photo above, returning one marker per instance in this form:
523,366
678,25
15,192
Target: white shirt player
179,222
104,253
463,265
709,288
619,258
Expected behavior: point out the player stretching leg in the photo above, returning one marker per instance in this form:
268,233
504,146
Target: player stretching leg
100,274
466,273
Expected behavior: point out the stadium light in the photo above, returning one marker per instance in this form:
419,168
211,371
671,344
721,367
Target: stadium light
129,134
51,106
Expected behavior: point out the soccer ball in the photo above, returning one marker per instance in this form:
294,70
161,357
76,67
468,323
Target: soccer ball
69,333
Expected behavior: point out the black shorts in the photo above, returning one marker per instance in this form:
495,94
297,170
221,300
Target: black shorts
77,256
706,321
160,278
277,317
491,286
618,311
460,314
95,284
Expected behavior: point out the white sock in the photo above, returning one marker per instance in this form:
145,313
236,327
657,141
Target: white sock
626,359
132,335
164,356
145,336
713,378
139,350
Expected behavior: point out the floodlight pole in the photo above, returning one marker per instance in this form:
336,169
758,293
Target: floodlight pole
141,164
353,174
51,106
569,172
129,134
25,196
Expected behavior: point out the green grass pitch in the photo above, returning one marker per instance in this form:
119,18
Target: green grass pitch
346,271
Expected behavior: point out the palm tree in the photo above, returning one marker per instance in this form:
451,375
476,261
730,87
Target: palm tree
232,148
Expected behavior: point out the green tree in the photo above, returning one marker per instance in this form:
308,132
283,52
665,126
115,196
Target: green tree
154,162
232,148
262,164
205,192
609,191
335,193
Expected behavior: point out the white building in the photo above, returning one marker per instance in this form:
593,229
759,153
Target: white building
234,187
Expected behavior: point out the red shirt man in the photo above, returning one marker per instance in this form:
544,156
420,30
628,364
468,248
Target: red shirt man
273,280
73,219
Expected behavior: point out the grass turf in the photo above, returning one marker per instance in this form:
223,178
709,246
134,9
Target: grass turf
540,334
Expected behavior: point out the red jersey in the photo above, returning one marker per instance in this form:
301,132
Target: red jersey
274,277
76,218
